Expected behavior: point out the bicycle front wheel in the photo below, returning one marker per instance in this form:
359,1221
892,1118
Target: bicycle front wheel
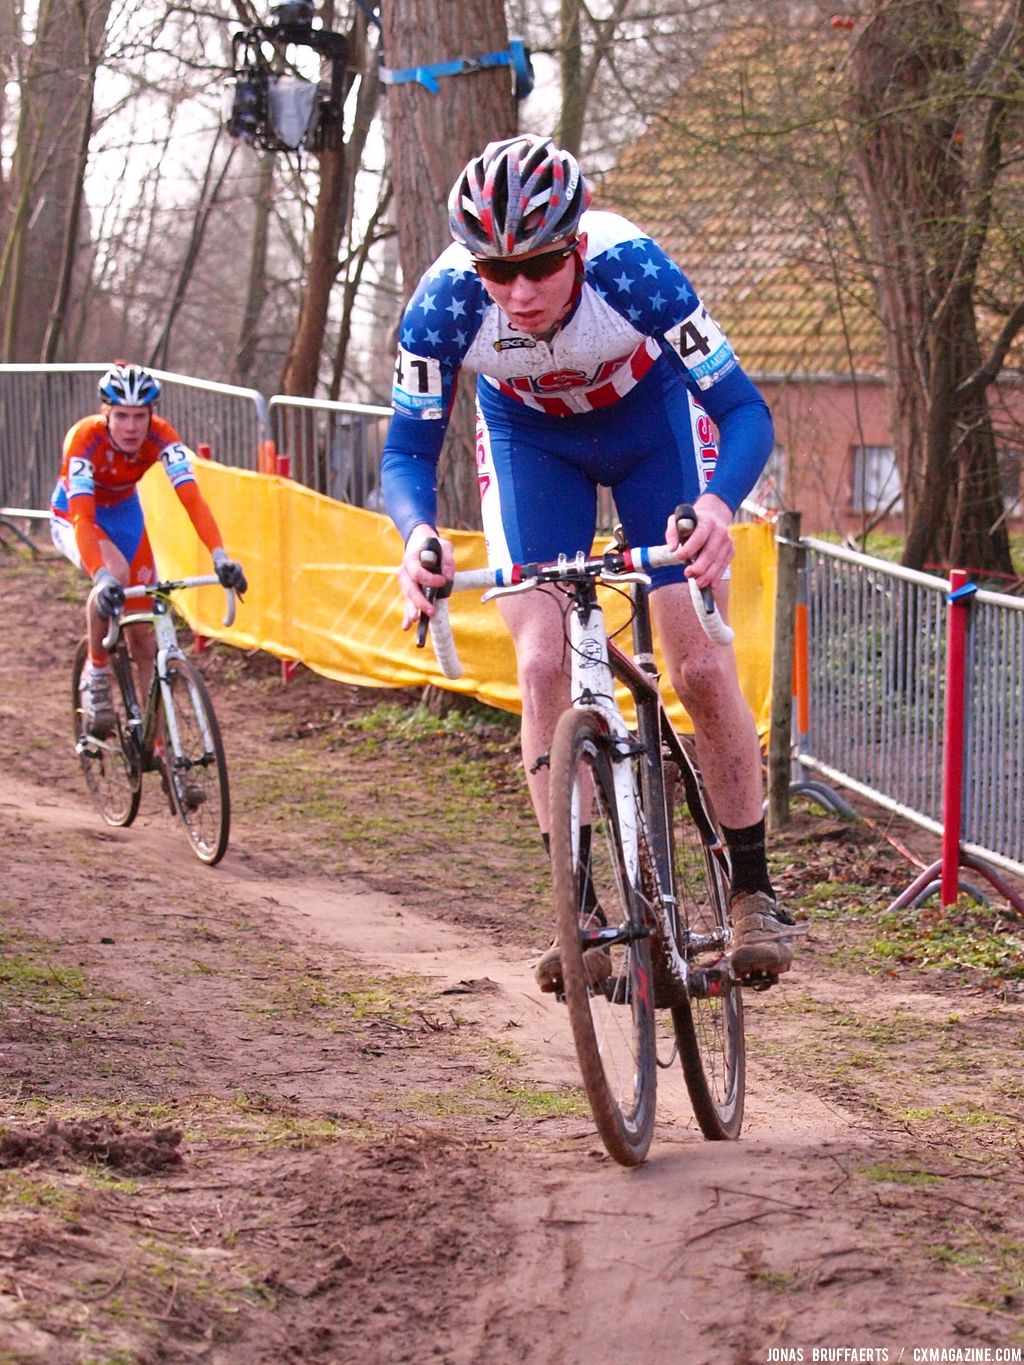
109,763
709,1025
610,1000
196,767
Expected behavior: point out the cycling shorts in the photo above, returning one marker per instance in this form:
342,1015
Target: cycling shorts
539,477
123,525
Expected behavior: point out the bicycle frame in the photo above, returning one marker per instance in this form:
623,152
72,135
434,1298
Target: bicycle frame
597,663
645,926
142,724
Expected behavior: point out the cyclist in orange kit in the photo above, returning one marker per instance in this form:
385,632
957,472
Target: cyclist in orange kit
96,517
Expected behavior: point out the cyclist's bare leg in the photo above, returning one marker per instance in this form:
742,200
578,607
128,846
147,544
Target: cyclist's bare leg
141,644
705,678
142,648
706,682
538,633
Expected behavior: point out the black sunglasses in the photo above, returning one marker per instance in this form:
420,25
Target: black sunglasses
542,267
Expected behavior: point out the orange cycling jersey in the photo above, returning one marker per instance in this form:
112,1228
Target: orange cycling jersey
95,474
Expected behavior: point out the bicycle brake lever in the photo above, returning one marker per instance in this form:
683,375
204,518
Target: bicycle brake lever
703,598
686,524
113,630
430,558
507,589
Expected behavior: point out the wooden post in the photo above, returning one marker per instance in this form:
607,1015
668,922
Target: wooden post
780,739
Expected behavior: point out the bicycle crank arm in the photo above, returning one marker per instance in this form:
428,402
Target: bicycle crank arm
709,983
93,744
606,936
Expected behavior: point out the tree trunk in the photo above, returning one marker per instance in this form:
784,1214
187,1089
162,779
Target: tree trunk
302,367
256,290
928,206
431,137
47,168
207,199
570,123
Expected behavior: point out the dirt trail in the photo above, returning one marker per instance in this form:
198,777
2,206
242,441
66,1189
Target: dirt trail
382,1154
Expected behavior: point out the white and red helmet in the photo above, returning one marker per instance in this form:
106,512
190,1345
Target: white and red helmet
518,195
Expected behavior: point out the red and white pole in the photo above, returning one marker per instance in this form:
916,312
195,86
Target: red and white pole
959,601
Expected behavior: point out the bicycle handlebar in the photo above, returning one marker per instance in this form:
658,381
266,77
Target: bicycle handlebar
164,589
614,566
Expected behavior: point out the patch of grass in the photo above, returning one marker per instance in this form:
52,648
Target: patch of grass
391,720
831,898
893,1174
493,1093
28,975
37,1191
964,939
962,1116
776,1281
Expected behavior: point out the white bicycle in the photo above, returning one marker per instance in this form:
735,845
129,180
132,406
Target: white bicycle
658,866
173,730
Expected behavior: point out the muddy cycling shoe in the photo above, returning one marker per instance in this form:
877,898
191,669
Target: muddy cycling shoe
760,935
597,961
97,707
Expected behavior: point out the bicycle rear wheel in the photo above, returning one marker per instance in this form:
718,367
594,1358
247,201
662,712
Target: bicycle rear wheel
109,763
709,1025
197,770
613,1019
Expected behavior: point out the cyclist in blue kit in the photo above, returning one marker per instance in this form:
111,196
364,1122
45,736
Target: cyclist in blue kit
597,365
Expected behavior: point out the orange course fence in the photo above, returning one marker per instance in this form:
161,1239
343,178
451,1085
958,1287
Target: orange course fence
323,590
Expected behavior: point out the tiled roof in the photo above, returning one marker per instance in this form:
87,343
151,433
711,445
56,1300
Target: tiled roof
764,258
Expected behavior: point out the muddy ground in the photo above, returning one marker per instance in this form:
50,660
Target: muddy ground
308,1105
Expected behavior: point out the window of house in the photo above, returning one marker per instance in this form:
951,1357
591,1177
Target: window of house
1009,481
876,480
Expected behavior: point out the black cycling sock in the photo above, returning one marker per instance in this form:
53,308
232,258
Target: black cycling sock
588,896
748,858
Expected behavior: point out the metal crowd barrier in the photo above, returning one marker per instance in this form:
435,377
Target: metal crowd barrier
39,403
333,448
876,696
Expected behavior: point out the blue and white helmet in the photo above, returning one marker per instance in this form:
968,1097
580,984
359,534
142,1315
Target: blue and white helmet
129,386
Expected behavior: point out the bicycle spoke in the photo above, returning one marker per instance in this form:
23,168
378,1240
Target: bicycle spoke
709,1026
196,766
608,986
109,762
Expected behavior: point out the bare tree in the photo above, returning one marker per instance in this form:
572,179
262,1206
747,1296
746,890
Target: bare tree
47,170
934,94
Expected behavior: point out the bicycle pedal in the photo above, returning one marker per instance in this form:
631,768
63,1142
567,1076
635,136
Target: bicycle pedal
759,981
714,982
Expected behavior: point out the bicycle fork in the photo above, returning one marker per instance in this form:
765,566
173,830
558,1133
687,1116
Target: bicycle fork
167,648
593,687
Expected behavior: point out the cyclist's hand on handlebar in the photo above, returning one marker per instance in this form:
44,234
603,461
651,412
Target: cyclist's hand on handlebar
230,573
414,576
709,548
109,593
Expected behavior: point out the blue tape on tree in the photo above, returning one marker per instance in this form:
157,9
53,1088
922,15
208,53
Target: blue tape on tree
517,57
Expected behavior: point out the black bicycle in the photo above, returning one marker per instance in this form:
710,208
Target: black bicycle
173,731
658,918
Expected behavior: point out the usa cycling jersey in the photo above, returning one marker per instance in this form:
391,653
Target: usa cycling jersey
96,493
638,362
